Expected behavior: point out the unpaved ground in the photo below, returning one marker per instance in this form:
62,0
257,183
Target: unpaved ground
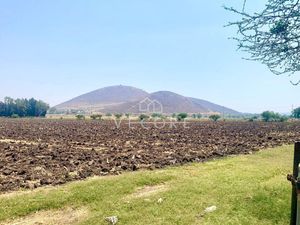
37,152
68,216
148,191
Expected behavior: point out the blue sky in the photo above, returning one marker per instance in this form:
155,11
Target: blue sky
55,50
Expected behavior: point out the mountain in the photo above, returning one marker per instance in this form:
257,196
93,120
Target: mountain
126,99
104,98
173,102
211,107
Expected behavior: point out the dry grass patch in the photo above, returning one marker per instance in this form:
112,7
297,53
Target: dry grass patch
147,191
67,216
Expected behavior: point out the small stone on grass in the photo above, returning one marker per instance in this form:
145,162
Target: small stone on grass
112,219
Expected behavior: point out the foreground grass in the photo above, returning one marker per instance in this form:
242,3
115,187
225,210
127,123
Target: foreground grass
248,190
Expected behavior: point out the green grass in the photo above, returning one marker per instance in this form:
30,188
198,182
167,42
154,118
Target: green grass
247,190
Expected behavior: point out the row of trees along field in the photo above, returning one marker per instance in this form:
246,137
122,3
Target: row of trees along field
23,107
267,116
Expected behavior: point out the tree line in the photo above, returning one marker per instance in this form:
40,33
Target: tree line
266,116
270,116
23,107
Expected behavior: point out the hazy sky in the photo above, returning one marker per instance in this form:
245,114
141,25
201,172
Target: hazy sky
55,50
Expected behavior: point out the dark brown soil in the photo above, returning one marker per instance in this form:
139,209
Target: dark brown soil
37,152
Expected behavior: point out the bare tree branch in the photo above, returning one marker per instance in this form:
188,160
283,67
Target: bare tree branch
271,36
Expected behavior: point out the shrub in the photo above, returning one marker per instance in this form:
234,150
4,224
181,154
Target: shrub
270,116
253,118
143,117
96,117
296,113
283,118
15,116
214,117
156,115
118,115
197,116
182,116
80,117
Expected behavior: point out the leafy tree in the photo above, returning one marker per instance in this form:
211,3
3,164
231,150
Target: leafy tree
156,115
41,108
283,118
270,116
127,115
20,107
93,117
271,36
118,115
143,117
80,117
31,106
214,117
174,115
2,109
182,116
108,114
296,113
9,106
196,116
253,118
96,117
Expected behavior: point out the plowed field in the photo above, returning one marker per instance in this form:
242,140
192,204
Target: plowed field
37,152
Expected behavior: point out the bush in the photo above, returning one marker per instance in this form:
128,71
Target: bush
182,116
108,114
214,117
80,117
143,117
283,119
199,116
296,113
96,117
15,116
156,115
270,116
118,115
253,118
